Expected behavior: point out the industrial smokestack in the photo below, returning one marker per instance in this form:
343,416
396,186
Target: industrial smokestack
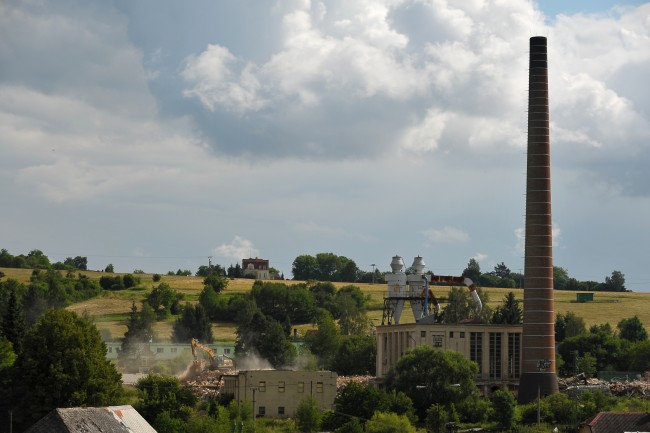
538,346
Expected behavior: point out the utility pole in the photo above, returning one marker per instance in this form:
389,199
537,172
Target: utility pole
373,273
209,262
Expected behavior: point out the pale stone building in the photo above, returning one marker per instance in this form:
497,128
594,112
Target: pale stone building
495,348
277,393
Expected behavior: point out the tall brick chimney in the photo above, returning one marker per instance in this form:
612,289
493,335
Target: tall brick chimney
538,346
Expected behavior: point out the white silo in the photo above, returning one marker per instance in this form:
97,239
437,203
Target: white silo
396,287
417,288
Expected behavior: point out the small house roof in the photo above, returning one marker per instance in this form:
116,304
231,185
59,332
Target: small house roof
619,422
112,419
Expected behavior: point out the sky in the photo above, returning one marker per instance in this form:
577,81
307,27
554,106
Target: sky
161,135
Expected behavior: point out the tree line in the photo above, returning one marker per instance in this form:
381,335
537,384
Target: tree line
503,277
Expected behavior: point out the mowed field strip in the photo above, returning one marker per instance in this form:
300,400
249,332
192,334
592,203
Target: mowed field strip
110,310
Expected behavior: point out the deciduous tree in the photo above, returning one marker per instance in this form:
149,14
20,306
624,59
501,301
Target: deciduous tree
632,329
63,363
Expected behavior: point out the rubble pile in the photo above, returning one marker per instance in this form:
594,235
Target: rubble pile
207,384
630,388
342,381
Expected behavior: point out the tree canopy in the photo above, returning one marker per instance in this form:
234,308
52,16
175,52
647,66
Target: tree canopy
47,377
431,376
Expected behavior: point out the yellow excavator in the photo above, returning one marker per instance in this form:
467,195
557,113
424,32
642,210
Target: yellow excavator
216,362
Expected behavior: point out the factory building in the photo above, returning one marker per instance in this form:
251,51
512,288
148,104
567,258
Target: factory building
496,349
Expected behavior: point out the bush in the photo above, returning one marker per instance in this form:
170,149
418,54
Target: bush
156,278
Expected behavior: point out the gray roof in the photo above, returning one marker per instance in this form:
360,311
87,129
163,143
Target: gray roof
113,419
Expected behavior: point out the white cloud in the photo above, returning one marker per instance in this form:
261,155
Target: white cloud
447,235
216,85
238,249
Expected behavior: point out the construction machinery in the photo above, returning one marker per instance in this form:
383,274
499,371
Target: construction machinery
216,362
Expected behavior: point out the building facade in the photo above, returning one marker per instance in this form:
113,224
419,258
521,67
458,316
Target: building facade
259,268
277,393
496,349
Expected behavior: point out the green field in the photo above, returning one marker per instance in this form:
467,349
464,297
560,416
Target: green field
111,309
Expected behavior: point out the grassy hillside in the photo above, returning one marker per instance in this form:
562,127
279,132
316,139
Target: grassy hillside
111,309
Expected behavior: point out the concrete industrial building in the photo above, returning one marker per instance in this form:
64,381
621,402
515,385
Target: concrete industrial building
277,393
495,348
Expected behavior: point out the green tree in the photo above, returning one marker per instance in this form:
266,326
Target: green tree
305,267
216,281
587,365
382,422
472,271
13,321
265,337
160,394
504,404
615,283
560,278
37,260
210,300
7,354
509,312
308,415
164,300
352,426
605,348
639,356
568,325
324,343
430,376
357,400
632,329
193,323
109,268
47,377
130,281
138,335
355,356
437,416
205,271
460,306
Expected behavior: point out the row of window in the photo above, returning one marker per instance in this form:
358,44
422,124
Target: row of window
461,334
162,350
261,410
261,387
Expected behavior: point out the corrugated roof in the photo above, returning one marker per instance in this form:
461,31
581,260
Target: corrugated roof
619,422
113,419
131,419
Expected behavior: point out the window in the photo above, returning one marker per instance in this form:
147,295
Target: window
160,350
117,349
514,348
495,355
451,334
476,349
280,410
174,349
319,386
437,341
301,386
261,411
462,334
262,386
423,334
226,351
110,350
281,386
